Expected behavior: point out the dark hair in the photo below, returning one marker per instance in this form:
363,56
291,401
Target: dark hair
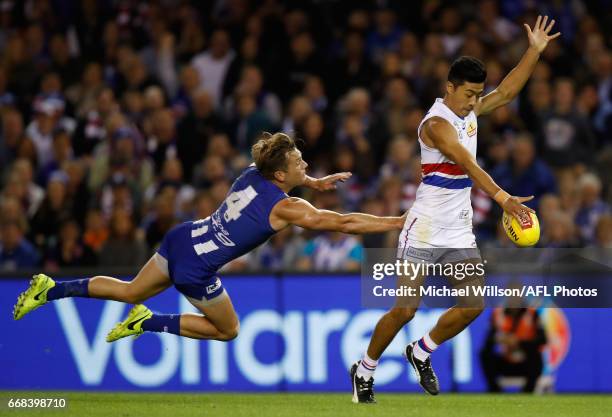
467,68
270,153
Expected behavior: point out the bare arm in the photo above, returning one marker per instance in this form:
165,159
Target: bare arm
301,213
513,83
444,138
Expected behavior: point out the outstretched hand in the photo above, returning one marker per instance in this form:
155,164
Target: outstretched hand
329,182
539,35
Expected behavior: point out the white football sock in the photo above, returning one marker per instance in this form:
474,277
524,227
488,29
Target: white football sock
424,347
367,367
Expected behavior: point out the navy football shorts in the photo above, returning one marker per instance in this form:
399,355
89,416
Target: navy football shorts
186,270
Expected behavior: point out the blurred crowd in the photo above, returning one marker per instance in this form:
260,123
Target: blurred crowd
120,118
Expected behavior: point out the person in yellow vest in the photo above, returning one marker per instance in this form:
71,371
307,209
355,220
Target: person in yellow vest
513,347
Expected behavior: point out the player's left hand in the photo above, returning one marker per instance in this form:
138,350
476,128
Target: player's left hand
329,182
539,35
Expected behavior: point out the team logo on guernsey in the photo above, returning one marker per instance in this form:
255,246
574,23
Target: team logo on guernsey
471,128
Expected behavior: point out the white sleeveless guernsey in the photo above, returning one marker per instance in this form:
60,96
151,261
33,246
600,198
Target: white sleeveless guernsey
441,216
444,193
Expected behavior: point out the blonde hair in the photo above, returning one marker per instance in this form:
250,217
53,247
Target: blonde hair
270,153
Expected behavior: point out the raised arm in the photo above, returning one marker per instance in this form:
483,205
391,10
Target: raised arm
512,84
444,138
301,213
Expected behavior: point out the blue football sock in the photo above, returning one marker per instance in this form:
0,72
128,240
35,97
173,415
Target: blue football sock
65,289
168,323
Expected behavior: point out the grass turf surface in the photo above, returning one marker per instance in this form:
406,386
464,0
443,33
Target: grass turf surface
311,405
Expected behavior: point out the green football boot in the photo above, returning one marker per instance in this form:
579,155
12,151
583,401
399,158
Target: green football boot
132,325
34,296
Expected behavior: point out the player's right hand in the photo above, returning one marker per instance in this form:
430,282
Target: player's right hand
515,207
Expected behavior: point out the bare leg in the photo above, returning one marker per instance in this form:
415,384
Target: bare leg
452,322
386,329
150,281
393,320
458,317
218,321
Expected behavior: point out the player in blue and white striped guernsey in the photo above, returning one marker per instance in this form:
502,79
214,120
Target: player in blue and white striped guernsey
191,253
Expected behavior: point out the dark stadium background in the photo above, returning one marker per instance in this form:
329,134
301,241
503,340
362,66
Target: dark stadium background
119,119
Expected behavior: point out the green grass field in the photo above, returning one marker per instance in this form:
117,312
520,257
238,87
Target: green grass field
333,405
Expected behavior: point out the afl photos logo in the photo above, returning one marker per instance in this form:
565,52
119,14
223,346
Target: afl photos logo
471,129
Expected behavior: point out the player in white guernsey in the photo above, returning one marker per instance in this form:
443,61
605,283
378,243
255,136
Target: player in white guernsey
438,228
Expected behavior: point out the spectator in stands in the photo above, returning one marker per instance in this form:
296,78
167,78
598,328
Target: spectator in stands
298,110
161,143
525,174
61,152
303,61
124,247
315,93
559,231
54,209
591,207
567,137
251,83
69,251
10,137
34,193
172,176
195,131
163,217
16,252
61,62
159,56
96,231
211,171
248,122
399,163
280,253
90,130
331,252
316,140
182,102
385,36
395,104
352,68
84,94
122,153
212,65
249,56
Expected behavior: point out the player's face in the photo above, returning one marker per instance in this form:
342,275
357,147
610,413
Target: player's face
464,97
296,168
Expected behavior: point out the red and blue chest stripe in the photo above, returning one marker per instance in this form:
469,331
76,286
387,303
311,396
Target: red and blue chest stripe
445,175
